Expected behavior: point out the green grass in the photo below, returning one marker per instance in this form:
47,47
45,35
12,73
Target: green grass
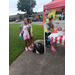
56,18
17,44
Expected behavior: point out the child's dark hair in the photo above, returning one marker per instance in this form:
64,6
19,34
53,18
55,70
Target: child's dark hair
28,20
50,18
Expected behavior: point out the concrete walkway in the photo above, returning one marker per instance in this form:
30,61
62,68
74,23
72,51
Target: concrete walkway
29,63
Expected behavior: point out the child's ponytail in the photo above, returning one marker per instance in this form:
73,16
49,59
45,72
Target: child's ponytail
28,20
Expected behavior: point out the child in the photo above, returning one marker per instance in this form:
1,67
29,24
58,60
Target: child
25,32
31,35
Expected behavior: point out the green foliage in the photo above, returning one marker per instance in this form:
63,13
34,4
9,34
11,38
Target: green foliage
11,20
26,6
56,18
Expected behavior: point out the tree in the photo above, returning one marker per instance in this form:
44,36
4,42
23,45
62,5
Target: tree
17,13
26,6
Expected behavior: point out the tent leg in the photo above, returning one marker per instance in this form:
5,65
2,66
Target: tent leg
62,15
44,42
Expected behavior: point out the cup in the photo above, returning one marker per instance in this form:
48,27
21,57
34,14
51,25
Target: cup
56,31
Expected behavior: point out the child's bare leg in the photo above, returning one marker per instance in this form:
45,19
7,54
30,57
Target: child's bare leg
32,39
28,42
25,43
29,45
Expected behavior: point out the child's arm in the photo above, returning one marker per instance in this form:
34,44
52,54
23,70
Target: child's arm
30,32
20,30
51,25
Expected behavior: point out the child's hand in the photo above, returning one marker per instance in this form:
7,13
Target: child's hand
31,35
22,32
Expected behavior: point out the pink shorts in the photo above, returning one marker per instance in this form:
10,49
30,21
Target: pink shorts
26,37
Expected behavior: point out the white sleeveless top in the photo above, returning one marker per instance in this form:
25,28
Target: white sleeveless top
25,30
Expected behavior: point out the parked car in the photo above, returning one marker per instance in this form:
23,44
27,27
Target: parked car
60,18
18,20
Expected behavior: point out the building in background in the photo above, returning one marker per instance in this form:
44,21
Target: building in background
37,15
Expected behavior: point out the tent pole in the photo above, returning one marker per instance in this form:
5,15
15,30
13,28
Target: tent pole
62,15
44,41
44,35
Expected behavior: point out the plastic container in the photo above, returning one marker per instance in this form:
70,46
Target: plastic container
37,44
60,28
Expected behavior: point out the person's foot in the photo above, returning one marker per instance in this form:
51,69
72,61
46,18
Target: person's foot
31,45
29,49
26,49
47,46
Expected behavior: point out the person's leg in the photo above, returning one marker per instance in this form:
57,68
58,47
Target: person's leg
49,41
24,37
46,40
26,45
32,42
28,42
29,45
32,39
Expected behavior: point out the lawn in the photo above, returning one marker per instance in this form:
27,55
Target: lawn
16,44
56,18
